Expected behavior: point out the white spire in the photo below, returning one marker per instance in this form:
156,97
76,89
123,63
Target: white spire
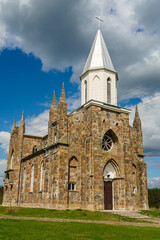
99,56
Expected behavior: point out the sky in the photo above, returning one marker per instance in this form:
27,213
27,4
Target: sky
45,43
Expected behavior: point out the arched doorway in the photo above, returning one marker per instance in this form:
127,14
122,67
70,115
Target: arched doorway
109,175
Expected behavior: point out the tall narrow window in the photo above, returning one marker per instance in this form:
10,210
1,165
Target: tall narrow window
24,179
108,90
12,159
41,180
32,177
73,174
85,87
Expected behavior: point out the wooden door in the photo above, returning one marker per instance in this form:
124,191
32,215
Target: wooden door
108,195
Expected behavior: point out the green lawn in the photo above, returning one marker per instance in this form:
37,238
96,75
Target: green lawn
28,230
151,213
63,214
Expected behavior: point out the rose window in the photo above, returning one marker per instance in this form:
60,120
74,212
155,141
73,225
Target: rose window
107,143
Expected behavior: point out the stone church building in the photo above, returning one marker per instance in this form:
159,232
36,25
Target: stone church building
90,159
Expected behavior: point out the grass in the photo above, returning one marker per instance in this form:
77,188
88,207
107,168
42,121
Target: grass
151,213
64,214
26,230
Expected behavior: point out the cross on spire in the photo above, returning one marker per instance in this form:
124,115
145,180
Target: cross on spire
99,21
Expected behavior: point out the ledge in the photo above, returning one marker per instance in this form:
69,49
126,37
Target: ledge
10,170
43,150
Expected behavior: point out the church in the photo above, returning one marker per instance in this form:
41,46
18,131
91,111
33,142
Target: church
90,159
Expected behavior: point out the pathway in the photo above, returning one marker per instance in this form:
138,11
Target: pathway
146,224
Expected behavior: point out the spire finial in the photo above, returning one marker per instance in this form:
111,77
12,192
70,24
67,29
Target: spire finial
63,91
14,126
22,118
137,121
53,99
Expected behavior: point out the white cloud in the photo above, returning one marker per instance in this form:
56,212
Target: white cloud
4,141
3,166
154,182
38,125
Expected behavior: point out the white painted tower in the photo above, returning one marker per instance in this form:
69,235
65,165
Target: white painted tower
99,78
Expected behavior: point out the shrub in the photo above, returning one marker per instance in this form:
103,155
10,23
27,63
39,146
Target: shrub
11,210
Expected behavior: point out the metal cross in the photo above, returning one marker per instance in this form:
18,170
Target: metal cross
100,20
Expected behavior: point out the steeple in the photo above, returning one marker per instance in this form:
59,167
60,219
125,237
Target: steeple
99,56
53,110
99,78
137,121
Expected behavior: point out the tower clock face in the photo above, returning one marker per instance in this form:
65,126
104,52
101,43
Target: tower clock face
107,143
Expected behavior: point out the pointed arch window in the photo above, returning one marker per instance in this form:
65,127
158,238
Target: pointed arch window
85,90
73,174
41,179
35,149
108,90
32,177
109,140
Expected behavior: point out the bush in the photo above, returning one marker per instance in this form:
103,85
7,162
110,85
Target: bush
11,210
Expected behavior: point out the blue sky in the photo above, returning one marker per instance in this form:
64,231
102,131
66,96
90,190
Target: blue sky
45,44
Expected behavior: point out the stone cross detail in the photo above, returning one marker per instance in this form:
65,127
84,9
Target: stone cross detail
99,21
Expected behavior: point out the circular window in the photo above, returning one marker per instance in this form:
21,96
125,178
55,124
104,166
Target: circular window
107,143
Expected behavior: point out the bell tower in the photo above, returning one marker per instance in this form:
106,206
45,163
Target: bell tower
99,78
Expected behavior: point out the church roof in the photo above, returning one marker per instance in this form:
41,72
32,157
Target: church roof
99,56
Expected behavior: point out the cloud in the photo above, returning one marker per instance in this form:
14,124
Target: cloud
4,141
149,115
60,33
3,166
154,182
38,125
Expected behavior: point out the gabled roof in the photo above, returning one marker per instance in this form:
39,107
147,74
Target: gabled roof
99,56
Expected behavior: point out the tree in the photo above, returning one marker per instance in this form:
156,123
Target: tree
154,198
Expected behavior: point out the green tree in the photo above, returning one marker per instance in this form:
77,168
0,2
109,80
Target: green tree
154,198
1,194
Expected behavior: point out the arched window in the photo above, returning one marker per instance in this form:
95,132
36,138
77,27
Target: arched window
85,90
108,140
12,159
32,177
35,149
41,179
109,171
24,179
108,90
73,174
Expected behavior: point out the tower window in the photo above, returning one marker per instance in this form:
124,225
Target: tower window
108,90
85,89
